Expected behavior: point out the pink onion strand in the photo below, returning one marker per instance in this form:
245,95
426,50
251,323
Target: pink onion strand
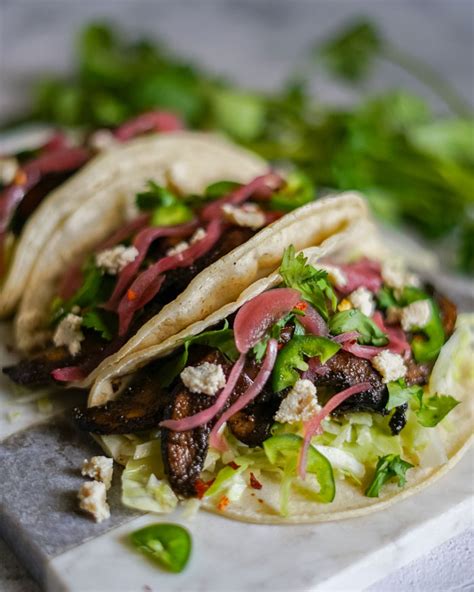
205,416
313,426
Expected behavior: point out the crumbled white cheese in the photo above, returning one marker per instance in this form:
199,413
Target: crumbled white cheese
394,315
68,333
335,274
248,215
113,260
206,378
416,315
102,139
198,236
363,299
300,404
397,277
391,366
8,169
100,468
93,500
179,248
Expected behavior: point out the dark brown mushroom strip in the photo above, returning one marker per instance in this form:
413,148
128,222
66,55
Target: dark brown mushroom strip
36,371
448,312
140,407
346,370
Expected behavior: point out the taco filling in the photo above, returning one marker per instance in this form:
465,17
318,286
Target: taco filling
321,379
106,297
26,178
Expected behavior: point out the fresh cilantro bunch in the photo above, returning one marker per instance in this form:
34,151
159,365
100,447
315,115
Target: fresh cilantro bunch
415,167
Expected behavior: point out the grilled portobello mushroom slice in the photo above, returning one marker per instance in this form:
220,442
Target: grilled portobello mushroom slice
140,407
346,370
36,371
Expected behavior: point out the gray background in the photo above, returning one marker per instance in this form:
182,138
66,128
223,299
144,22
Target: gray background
257,43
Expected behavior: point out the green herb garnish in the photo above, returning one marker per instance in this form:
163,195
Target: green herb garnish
354,320
167,209
388,467
221,339
312,283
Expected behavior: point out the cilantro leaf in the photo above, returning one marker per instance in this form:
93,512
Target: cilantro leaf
221,339
433,409
102,321
388,467
297,191
167,209
386,298
312,283
399,393
354,320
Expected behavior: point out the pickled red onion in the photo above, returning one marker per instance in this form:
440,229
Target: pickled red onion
257,315
397,341
264,184
68,374
253,390
142,243
313,426
158,121
364,273
313,322
147,285
344,337
205,416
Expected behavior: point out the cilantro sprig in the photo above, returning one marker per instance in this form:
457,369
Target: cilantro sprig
388,467
312,283
428,410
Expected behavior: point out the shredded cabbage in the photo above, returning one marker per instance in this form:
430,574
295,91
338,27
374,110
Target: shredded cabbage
453,372
141,488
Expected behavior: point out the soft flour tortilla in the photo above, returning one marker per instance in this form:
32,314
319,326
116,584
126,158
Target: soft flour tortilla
262,506
98,200
223,281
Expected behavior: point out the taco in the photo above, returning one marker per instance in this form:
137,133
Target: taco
30,173
331,388
131,248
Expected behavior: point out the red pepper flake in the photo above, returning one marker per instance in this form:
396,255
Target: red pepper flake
280,345
254,482
202,486
234,465
20,177
223,503
131,295
302,305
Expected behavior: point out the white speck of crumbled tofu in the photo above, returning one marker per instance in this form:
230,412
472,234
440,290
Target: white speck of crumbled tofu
68,333
93,500
335,274
395,275
177,249
102,140
113,260
248,215
198,236
416,315
8,169
300,404
391,366
363,300
206,378
100,468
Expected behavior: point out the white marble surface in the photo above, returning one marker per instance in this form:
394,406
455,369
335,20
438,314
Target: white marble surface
257,42
235,556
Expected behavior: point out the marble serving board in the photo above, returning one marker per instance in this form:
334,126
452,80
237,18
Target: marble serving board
41,453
